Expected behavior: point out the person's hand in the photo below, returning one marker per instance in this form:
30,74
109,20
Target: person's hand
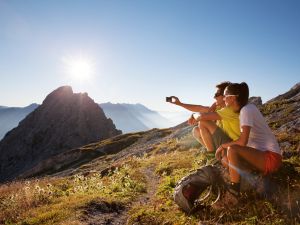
175,100
219,153
192,121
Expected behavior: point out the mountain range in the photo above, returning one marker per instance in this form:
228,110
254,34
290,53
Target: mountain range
11,116
126,117
134,117
65,120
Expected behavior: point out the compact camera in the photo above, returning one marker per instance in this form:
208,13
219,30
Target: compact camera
170,99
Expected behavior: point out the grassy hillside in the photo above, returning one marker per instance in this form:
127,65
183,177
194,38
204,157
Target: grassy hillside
135,186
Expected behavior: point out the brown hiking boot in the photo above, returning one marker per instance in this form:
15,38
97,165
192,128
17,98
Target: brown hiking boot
227,200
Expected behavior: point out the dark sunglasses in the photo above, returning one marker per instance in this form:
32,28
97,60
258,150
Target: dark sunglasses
217,94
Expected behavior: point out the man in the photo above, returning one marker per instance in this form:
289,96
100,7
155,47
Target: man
209,133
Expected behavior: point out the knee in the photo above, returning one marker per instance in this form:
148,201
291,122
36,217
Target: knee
202,124
232,151
224,162
196,132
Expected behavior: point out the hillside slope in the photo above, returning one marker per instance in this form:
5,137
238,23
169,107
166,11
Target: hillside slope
130,179
283,115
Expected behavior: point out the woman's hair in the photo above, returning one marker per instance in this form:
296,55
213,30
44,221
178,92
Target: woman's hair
241,91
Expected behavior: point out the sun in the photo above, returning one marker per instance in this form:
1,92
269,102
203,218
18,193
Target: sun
79,68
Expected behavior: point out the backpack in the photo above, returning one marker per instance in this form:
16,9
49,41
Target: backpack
201,187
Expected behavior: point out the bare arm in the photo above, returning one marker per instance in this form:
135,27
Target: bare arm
194,108
242,141
191,107
209,116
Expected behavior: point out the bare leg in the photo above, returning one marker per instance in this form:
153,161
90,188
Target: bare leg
224,161
253,156
197,135
207,128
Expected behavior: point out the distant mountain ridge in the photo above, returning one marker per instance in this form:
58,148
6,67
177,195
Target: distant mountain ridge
134,117
126,117
11,116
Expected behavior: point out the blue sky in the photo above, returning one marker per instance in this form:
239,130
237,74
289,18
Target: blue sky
141,51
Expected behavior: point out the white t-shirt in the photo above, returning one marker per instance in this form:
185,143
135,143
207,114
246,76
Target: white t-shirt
261,136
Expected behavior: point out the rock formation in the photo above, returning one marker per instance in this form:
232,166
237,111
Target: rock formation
282,114
64,121
256,101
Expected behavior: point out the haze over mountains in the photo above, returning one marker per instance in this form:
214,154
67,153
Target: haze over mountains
11,116
126,117
134,117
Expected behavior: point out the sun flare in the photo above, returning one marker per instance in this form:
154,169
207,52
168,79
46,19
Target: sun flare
79,68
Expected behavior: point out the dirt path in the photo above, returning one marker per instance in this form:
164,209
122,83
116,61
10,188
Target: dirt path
100,212
152,183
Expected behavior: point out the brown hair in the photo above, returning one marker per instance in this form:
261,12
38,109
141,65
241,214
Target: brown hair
241,91
221,87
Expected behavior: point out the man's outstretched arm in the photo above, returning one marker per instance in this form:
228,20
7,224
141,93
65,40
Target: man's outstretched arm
191,107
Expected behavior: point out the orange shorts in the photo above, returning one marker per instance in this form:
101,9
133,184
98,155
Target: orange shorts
273,162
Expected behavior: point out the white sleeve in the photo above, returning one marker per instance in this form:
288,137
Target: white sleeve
246,117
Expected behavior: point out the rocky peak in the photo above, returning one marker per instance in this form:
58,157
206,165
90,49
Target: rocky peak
282,114
64,121
60,93
292,94
256,101
296,86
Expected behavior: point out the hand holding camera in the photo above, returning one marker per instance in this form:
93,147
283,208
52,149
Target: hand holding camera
172,99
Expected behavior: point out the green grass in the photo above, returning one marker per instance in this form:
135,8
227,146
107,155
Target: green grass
62,200
55,200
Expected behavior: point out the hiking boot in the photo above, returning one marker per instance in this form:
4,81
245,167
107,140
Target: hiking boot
229,198
234,188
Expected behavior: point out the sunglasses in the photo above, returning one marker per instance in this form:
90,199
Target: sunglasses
217,94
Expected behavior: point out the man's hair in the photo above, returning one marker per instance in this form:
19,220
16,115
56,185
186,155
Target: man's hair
221,86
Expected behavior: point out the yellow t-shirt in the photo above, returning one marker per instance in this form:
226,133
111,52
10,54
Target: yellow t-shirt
230,122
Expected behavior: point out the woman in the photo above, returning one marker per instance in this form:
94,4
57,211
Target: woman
256,145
